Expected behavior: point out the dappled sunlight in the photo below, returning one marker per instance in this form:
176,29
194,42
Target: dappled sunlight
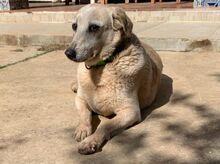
181,126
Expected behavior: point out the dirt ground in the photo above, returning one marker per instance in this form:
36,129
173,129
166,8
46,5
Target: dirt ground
38,116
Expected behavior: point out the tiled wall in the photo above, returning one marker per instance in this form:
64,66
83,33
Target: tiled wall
206,3
13,4
4,5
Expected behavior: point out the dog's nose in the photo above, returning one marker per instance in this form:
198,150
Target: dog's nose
70,53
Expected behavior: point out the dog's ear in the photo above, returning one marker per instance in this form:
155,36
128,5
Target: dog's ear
120,21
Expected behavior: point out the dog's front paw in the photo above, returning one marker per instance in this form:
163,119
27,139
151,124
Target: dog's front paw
88,146
74,87
82,131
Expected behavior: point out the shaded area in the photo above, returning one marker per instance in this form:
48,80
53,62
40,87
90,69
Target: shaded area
131,142
157,158
127,142
6,143
164,93
216,75
22,139
179,97
205,139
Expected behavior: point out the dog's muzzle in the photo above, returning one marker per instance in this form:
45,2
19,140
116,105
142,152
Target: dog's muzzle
71,54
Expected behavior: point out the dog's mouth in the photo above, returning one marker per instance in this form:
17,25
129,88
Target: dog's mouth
82,58
71,58
78,60
79,57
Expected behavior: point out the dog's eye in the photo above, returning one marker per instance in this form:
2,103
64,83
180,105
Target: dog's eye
74,26
94,28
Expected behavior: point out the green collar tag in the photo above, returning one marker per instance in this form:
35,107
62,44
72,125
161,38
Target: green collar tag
101,62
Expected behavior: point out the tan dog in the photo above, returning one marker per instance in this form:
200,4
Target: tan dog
118,75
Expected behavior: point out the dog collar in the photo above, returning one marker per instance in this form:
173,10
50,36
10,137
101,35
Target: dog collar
121,45
101,62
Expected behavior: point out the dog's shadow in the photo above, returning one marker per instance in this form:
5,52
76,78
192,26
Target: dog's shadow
163,97
164,93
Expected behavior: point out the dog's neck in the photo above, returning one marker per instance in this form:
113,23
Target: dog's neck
113,52
101,62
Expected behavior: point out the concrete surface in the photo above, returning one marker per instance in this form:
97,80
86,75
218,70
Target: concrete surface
38,117
166,36
11,55
163,15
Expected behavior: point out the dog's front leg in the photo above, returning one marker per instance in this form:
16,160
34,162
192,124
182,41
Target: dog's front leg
84,128
125,117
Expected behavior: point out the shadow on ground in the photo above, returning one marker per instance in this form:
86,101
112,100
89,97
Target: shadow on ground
203,141
163,96
217,76
128,141
177,141
11,142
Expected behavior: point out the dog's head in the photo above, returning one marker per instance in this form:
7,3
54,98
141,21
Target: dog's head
97,30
